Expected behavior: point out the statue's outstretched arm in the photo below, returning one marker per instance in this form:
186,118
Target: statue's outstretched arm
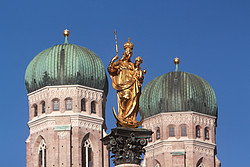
111,67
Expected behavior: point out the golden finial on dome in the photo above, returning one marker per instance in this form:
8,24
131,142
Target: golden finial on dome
66,34
176,62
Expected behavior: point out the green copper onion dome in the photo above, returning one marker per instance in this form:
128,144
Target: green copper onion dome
66,64
178,91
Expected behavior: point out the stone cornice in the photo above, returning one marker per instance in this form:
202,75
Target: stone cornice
200,144
64,86
181,112
64,91
179,118
87,118
40,120
77,119
187,142
51,117
166,147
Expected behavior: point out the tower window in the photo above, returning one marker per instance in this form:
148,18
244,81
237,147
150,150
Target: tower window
86,154
35,110
56,105
93,107
206,133
198,132
42,154
43,107
83,105
183,131
200,163
68,104
158,134
157,163
171,132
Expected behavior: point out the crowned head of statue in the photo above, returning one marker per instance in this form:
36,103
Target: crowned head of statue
128,47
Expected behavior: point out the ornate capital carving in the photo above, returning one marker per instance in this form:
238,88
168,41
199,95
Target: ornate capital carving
127,144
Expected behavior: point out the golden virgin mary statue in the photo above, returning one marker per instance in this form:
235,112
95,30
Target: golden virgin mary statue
127,78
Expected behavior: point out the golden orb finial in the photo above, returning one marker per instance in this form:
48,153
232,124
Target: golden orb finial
176,61
66,33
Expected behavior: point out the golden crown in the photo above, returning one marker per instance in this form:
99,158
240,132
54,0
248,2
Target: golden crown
129,44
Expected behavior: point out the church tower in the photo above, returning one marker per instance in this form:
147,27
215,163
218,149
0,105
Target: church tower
181,109
67,89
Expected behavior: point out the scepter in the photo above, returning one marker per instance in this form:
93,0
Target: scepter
116,46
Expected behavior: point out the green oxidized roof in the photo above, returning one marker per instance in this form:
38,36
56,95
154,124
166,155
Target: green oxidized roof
178,91
66,64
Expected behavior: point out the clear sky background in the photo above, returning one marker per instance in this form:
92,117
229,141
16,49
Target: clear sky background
211,38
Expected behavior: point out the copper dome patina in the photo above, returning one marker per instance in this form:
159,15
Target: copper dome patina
176,92
66,64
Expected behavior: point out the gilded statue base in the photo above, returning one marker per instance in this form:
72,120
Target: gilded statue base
127,144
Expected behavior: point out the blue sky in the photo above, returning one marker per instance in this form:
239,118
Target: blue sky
212,39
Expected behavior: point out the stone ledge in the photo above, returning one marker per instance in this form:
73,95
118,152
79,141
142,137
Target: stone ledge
62,128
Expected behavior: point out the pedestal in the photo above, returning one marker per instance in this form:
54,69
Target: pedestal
127,145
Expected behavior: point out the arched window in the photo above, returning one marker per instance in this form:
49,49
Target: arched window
171,131
183,131
68,104
198,132
207,133
42,154
158,134
157,163
43,107
35,110
56,105
200,163
93,107
87,153
83,105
